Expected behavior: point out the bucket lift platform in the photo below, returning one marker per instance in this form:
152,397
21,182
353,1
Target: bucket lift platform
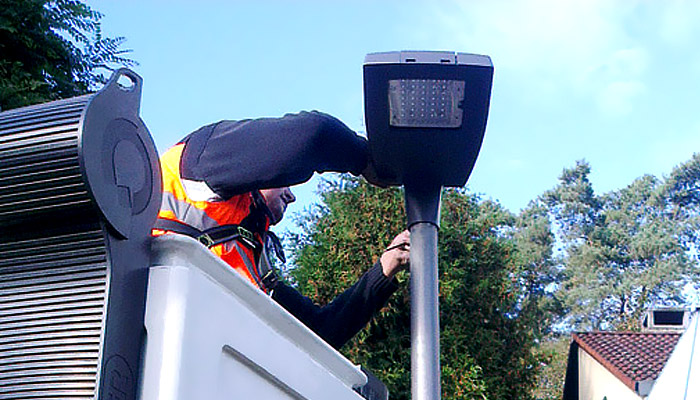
92,307
213,335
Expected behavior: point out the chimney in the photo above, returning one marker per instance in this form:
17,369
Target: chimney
665,320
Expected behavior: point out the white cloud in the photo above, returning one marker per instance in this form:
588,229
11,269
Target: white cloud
541,37
514,164
596,50
617,98
679,28
628,62
618,81
679,21
695,65
672,148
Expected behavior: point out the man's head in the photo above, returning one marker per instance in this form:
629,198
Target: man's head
277,200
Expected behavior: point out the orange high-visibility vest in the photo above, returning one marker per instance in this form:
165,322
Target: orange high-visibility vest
203,213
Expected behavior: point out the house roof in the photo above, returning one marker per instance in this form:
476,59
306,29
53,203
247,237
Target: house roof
630,356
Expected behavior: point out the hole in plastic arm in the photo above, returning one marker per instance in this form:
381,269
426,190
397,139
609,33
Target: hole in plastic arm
126,83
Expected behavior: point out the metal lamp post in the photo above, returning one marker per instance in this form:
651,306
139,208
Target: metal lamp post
426,115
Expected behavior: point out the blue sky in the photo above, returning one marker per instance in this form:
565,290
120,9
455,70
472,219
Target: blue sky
613,82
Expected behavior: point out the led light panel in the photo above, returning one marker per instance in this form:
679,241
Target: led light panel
426,103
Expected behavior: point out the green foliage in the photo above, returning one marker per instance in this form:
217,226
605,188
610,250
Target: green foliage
571,260
683,186
553,354
624,251
682,192
52,49
485,316
536,269
618,254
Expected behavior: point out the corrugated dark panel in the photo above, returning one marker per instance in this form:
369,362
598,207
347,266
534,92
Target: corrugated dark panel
52,301
42,114
52,280
55,232
39,167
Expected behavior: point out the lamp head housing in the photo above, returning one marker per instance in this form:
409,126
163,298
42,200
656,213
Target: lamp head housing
425,113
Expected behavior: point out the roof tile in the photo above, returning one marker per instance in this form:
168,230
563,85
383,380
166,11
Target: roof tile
631,356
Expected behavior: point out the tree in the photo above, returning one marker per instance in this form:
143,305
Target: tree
52,49
624,251
486,339
682,193
618,254
537,273
553,354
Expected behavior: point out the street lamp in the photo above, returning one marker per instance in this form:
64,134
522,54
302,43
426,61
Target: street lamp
425,114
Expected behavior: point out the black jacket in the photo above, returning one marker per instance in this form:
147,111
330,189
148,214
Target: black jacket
236,157
347,314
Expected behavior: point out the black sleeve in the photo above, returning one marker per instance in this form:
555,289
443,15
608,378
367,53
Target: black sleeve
347,314
235,157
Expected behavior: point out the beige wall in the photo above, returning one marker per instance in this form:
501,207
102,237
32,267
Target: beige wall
595,382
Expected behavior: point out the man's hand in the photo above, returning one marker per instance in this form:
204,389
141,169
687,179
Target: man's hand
396,256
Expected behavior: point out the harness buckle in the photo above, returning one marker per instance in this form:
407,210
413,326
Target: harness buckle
270,280
206,240
247,236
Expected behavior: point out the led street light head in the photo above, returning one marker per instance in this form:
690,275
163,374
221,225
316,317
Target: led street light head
426,114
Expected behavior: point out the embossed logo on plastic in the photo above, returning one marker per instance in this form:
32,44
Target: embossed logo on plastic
119,380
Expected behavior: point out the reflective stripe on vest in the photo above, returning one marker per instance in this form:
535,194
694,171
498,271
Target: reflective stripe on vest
177,205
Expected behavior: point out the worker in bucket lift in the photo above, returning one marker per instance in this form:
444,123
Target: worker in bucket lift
227,183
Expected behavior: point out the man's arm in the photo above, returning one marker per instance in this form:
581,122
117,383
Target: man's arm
347,314
350,311
235,157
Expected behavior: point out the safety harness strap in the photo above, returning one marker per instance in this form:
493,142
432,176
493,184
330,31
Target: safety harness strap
264,276
212,236
249,265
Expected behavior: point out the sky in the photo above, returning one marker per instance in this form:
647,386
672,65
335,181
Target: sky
616,83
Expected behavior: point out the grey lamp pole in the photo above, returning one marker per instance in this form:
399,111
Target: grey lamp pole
425,113
423,211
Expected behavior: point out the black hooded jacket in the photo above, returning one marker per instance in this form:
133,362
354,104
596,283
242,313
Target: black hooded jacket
236,157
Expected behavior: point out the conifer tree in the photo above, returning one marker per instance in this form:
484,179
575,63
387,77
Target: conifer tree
487,328
626,250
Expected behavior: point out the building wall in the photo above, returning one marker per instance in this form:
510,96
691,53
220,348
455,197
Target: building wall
597,383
